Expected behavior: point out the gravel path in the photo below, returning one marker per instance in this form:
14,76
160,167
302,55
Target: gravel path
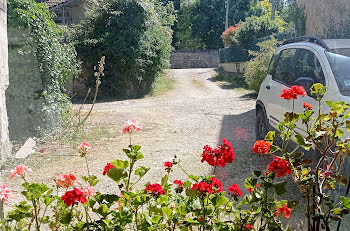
196,112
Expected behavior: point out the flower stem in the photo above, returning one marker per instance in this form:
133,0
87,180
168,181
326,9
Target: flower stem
87,166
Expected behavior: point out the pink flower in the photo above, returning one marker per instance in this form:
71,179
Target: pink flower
84,146
89,191
5,193
66,181
132,125
19,170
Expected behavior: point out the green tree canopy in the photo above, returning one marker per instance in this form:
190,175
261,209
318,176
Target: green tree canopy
134,35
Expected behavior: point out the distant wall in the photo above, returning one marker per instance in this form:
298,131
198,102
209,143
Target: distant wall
234,67
194,59
326,17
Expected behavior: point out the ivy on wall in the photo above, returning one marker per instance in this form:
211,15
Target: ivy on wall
56,61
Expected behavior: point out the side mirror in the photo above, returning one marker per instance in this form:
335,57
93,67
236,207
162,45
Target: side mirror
305,82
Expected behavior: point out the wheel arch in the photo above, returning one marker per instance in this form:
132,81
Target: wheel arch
259,106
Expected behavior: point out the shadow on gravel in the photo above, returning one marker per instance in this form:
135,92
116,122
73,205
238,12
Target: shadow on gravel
240,131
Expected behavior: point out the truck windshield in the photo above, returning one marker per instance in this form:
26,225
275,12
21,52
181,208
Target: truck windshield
340,65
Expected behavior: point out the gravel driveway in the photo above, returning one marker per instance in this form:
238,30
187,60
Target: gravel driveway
197,112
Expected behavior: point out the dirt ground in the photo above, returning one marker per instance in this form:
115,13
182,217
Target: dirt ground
198,111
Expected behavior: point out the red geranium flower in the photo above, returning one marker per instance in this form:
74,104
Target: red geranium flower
74,196
168,165
293,92
261,147
107,168
235,190
84,146
285,210
132,125
155,189
307,106
179,182
281,167
220,156
217,184
203,187
248,226
66,180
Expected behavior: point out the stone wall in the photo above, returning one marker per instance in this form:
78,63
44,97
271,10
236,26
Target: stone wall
4,136
326,17
234,67
194,59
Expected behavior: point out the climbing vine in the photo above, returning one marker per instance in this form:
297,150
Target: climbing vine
56,59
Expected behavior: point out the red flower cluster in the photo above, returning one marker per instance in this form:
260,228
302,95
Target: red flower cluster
261,147
155,189
220,156
234,189
281,167
74,196
229,33
107,168
307,106
168,165
66,180
293,92
284,210
214,185
248,226
179,182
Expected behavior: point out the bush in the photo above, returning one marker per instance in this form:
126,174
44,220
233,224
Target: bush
256,69
229,36
200,202
134,35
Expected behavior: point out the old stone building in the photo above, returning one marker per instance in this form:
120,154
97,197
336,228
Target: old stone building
67,11
4,82
327,18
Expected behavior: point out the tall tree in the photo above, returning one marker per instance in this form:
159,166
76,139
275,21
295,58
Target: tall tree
209,19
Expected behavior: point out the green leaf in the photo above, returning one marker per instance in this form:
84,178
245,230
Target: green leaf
103,210
348,125
345,201
271,135
120,164
168,212
141,171
181,210
339,133
193,177
164,180
117,174
187,184
163,199
280,187
219,200
302,141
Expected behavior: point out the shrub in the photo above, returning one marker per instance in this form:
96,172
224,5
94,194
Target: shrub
256,69
229,36
134,35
